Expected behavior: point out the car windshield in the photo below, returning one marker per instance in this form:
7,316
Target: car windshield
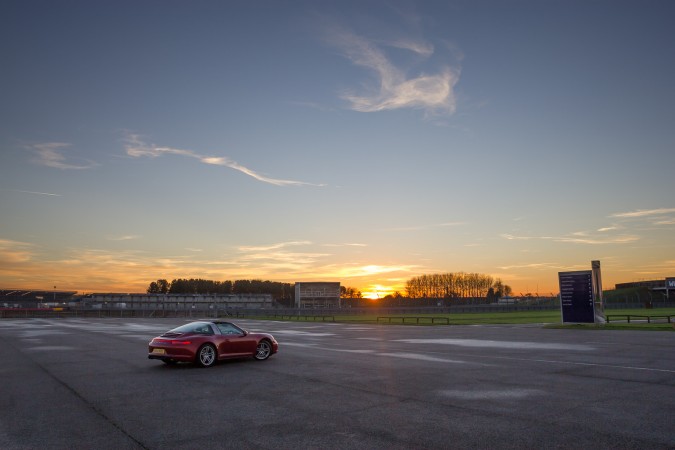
194,327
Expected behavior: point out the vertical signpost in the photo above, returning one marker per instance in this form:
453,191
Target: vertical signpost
576,296
597,292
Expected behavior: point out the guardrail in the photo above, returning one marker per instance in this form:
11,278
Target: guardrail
627,317
416,319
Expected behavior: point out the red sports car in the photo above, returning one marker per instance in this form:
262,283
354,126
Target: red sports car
205,342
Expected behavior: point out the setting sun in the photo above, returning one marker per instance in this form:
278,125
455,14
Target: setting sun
375,292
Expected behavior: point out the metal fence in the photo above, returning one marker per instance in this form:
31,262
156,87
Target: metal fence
220,311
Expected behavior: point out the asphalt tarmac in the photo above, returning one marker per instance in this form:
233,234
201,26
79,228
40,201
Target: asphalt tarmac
87,383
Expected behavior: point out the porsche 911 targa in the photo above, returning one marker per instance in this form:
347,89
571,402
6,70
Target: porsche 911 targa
206,342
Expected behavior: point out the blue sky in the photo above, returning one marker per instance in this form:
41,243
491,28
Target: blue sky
362,142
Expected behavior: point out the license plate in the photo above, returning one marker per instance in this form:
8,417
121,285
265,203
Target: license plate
158,351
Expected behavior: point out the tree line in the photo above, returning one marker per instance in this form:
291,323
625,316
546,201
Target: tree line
436,286
279,291
456,285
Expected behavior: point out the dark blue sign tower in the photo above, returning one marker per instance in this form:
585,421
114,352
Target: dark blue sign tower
576,296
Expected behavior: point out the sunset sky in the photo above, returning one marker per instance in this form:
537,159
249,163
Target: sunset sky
365,142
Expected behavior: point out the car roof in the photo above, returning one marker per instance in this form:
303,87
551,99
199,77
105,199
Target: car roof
212,321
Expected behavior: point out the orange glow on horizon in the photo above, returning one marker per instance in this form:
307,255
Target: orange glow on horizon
378,291
88,271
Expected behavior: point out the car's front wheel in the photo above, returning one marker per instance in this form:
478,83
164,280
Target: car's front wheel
263,351
206,356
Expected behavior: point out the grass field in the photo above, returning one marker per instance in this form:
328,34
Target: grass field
547,318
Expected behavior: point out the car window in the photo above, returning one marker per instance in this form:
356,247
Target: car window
228,328
203,329
195,327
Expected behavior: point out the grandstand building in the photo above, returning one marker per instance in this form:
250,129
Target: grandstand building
21,298
317,295
653,285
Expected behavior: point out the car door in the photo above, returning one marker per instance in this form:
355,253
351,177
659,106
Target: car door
242,344
234,341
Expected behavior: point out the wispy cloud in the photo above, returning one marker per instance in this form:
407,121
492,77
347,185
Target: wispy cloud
655,217
277,246
417,46
127,237
291,259
35,193
665,267
279,258
22,264
13,252
353,244
395,89
537,266
51,154
136,147
577,238
644,213
372,269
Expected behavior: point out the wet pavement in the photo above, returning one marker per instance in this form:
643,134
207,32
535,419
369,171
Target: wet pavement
75,383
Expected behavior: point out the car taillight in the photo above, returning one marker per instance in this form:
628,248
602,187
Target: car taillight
170,342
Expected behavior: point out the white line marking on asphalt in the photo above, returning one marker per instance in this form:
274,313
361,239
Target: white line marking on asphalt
51,348
302,333
421,357
491,394
296,344
353,351
499,344
40,333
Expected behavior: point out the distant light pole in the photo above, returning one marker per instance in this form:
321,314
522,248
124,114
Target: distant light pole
54,294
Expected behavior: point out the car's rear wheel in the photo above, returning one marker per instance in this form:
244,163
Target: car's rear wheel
206,356
263,351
